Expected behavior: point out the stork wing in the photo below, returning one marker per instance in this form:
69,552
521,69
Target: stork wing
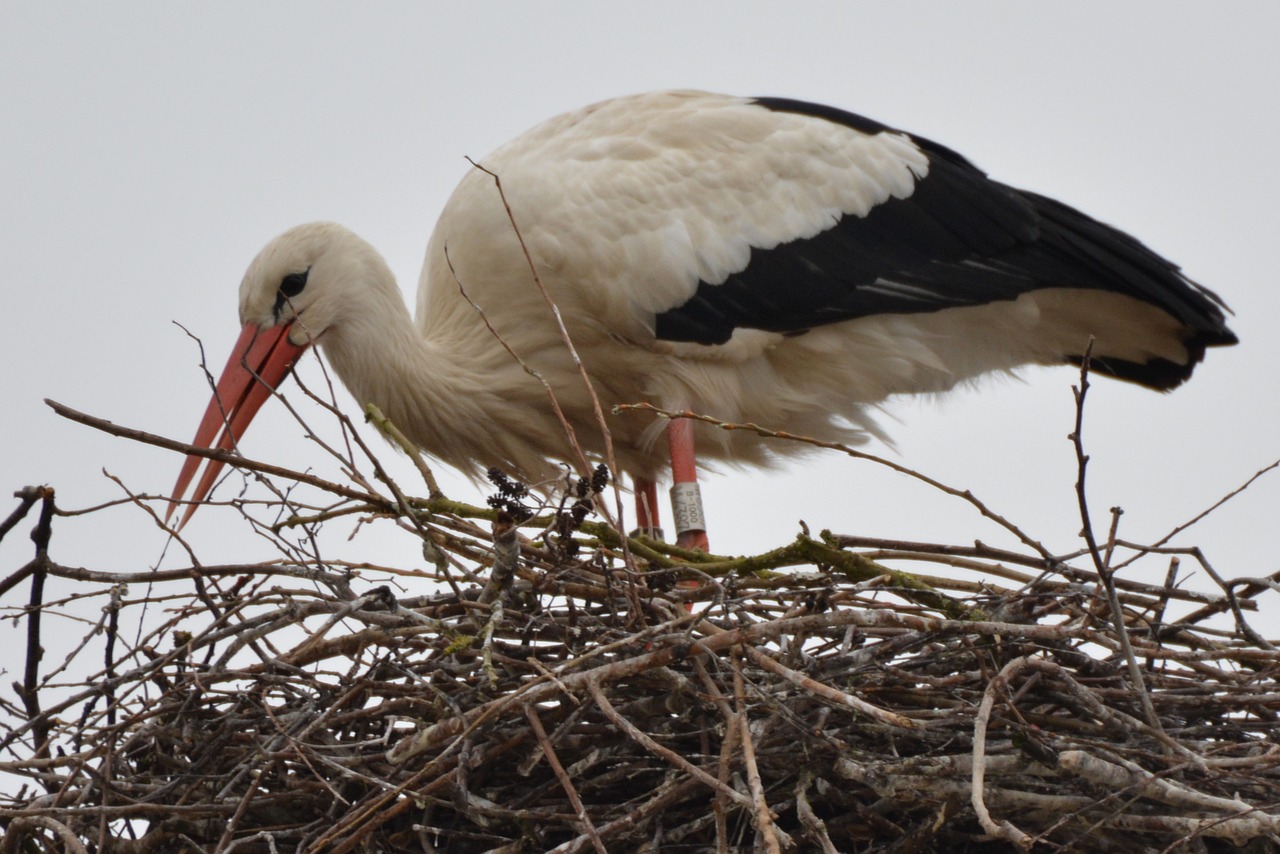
687,215
958,239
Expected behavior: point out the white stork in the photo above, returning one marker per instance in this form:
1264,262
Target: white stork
758,259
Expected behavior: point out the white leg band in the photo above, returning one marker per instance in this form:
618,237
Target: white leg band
686,507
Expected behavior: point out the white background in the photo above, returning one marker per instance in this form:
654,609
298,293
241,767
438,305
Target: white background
150,149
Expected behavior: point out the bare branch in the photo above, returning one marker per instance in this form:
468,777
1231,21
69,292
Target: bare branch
540,685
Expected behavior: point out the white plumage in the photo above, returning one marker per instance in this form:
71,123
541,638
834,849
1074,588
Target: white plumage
756,259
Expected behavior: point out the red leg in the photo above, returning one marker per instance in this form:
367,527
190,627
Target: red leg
648,520
686,501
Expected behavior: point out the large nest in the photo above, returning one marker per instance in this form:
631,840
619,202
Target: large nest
565,688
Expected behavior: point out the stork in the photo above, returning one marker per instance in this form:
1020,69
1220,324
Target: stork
761,259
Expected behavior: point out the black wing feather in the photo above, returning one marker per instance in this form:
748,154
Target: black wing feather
960,239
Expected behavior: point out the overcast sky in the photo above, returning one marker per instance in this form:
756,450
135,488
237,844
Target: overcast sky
150,149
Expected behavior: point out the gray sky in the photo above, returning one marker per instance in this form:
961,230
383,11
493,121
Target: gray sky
150,149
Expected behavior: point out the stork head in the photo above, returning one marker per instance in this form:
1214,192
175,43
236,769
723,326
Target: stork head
303,281
298,288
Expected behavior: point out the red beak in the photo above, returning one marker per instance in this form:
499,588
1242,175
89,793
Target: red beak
259,362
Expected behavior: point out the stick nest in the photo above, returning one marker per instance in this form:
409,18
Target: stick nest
564,688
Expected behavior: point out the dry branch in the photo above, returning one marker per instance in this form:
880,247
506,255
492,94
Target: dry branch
545,688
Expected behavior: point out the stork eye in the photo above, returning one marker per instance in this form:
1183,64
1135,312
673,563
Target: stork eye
290,286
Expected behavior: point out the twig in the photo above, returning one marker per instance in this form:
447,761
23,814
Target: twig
554,761
229,457
675,760
18,831
1105,573
763,815
1003,829
766,433
27,497
1178,529
506,558
605,434
40,535
388,428
829,694
817,827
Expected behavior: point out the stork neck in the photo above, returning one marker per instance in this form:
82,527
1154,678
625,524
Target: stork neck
424,387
